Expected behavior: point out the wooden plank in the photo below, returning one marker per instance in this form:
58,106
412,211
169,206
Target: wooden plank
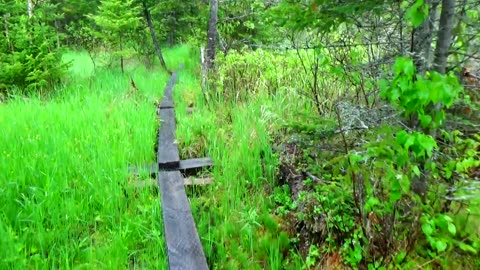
194,165
194,181
184,249
188,166
189,181
167,101
167,156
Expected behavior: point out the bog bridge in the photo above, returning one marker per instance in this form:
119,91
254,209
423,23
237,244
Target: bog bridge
184,249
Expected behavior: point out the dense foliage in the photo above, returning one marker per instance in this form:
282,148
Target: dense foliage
344,133
29,48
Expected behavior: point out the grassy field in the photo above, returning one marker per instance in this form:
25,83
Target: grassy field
65,201
65,195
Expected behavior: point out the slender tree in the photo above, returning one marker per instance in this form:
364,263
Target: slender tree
148,18
444,36
212,34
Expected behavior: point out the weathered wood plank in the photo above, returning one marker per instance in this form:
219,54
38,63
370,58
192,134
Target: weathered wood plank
189,181
195,163
194,181
167,156
167,101
188,166
184,249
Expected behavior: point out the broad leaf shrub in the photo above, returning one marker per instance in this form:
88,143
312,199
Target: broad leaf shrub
404,181
404,198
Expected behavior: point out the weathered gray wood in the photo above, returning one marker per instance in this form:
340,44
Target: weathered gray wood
188,166
184,249
192,166
167,156
194,181
189,181
167,101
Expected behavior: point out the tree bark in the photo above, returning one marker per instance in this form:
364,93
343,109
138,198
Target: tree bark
7,33
148,17
212,34
57,28
30,8
121,55
421,46
444,36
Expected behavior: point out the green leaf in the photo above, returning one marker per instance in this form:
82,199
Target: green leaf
417,13
371,202
425,120
466,247
395,193
416,170
404,182
452,229
400,257
427,228
440,245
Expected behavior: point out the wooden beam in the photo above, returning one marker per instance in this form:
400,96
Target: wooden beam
187,166
167,101
194,165
184,249
194,181
167,156
189,181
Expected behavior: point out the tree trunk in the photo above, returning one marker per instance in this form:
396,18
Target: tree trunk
146,13
444,36
421,44
121,55
7,33
57,28
30,8
211,34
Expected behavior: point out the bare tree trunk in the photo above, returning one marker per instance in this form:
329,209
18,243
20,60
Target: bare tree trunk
30,8
421,43
121,55
7,33
212,34
444,36
57,28
146,13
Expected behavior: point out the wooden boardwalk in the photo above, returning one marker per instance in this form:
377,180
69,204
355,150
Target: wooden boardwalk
184,249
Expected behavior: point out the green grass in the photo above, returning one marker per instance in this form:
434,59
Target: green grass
65,194
65,201
233,214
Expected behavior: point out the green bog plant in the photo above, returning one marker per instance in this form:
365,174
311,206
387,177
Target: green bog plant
418,95
393,175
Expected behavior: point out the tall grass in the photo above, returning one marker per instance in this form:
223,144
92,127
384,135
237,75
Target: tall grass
234,214
65,194
65,200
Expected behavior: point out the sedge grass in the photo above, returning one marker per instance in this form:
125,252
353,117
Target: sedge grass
233,214
65,200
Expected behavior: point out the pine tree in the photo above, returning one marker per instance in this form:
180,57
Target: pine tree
117,21
30,59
